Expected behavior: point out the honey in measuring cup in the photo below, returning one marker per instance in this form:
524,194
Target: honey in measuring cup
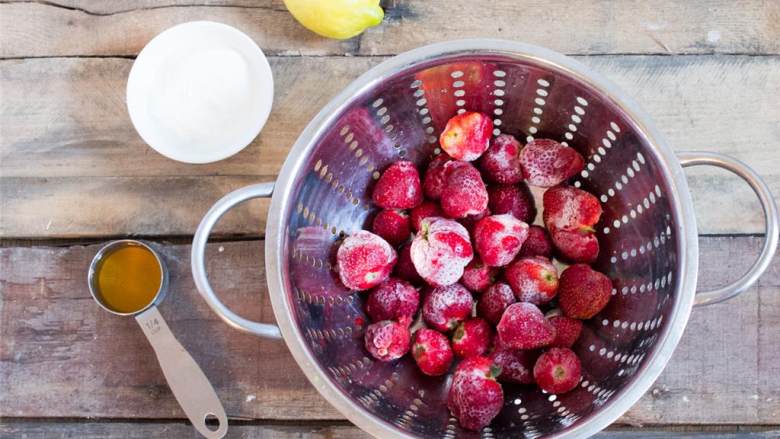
128,278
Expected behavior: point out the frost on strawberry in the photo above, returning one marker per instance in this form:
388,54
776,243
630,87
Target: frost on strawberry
516,366
432,352
464,193
523,326
364,260
494,301
533,280
498,238
547,163
387,340
445,307
393,299
475,397
477,277
501,162
441,250
398,187
466,136
570,215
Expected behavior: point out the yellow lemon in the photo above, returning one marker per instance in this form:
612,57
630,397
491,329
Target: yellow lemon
339,19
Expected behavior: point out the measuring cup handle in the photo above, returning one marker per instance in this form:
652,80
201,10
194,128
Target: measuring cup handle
260,190
772,223
189,384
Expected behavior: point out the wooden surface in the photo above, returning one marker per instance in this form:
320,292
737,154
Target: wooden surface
73,170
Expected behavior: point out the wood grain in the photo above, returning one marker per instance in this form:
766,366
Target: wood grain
603,27
66,133
61,356
152,430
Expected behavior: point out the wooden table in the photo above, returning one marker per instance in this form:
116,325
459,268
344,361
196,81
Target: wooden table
73,174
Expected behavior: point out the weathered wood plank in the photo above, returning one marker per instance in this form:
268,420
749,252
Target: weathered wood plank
65,128
152,430
750,27
62,356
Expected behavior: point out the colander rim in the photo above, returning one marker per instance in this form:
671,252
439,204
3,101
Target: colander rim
680,201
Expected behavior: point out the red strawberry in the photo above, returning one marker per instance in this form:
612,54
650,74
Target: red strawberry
583,291
570,209
570,214
498,238
575,246
432,352
477,277
471,338
387,340
464,193
547,163
392,225
424,210
538,243
445,307
557,371
393,299
567,329
475,397
494,301
436,176
501,162
515,199
404,268
399,187
441,250
364,260
466,136
533,280
516,366
523,326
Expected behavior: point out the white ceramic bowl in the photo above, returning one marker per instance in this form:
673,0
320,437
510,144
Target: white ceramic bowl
200,92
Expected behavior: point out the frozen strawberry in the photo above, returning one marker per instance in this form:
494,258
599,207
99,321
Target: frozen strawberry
464,193
498,238
404,268
441,250
501,162
567,329
470,221
494,301
515,199
516,366
478,276
471,338
547,163
571,209
436,176
583,291
387,340
392,225
432,352
445,307
538,243
393,299
364,260
466,136
398,187
533,280
575,246
424,210
557,371
475,397
523,326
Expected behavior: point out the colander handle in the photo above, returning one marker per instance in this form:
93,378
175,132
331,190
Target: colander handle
260,190
772,227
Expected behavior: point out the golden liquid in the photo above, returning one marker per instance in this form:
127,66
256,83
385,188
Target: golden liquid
128,279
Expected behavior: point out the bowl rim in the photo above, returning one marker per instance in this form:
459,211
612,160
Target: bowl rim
679,197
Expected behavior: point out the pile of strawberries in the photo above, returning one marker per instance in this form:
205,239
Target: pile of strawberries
485,275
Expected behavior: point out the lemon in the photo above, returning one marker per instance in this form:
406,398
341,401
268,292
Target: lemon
339,19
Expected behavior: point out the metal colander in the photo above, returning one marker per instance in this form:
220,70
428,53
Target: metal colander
396,111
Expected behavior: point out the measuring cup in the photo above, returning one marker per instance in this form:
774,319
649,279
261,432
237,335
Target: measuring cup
189,384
